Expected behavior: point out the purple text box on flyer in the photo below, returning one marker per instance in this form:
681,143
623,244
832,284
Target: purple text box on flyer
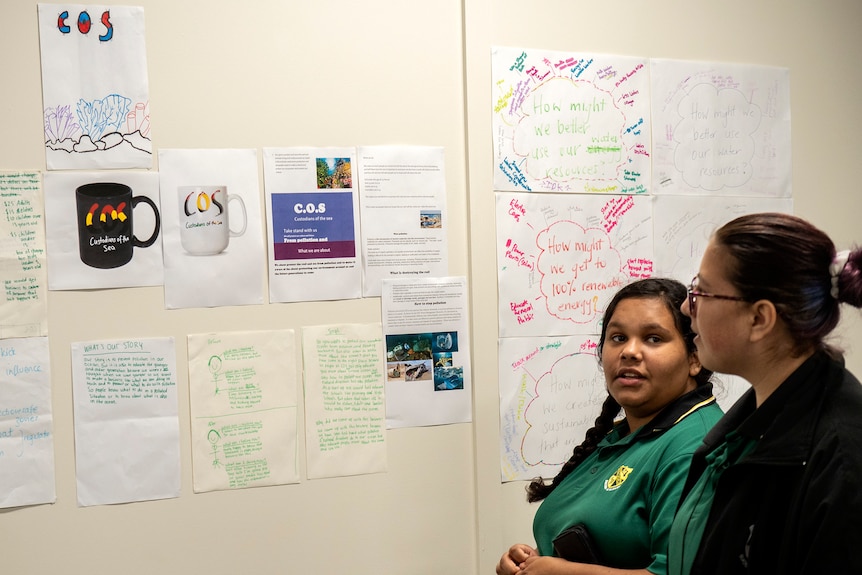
313,225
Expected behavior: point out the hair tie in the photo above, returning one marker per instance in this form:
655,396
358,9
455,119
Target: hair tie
835,270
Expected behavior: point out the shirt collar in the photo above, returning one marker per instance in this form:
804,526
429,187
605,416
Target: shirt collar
673,413
678,410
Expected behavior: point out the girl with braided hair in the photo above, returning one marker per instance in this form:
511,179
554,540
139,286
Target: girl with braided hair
621,486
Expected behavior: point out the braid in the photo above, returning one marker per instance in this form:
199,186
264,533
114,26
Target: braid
538,489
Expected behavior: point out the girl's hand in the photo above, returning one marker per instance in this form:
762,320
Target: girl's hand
511,561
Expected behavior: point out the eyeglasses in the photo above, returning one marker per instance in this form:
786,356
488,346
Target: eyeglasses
693,294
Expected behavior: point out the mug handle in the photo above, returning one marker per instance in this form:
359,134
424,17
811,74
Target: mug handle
231,198
151,240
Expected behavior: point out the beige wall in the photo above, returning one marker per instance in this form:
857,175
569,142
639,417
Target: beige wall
335,73
321,73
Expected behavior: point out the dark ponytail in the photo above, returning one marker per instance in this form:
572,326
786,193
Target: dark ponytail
787,260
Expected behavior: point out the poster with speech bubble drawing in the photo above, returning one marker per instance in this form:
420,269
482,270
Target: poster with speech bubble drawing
683,226
720,129
551,391
570,122
561,257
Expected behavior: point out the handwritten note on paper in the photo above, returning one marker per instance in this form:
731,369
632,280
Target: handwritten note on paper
551,391
126,423
23,307
683,226
720,129
242,387
561,257
344,408
26,423
570,122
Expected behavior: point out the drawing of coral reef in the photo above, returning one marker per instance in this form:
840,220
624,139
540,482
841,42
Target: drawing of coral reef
98,125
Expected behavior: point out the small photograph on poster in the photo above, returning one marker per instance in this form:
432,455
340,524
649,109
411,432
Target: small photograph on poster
408,356
444,341
424,357
334,173
449,377
431,219
418,371
442,360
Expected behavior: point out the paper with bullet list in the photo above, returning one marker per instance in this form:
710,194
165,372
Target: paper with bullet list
24,304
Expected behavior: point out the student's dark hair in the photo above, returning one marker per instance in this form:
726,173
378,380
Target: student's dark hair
786,260
672,293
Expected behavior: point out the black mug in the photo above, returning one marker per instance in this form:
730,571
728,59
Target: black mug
105,230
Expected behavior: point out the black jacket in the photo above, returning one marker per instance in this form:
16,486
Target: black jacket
793,505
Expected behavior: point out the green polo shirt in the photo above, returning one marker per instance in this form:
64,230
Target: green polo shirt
627,490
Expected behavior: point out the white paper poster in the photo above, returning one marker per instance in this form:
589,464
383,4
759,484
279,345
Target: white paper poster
561,257
312,224
551,392
720,129
683,226
403,203
26,423
213,242
344,409
24,304
242,389
425,323
95,93
127,444
570,122
103,230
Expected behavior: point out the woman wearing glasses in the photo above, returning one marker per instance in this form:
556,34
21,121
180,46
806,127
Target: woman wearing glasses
621,486
775,487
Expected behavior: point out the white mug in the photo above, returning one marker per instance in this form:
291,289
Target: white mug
204,220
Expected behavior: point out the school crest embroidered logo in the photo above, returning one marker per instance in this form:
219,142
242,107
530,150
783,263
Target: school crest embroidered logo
618,478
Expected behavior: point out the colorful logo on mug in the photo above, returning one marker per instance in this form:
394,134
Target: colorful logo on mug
204,202
108,217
